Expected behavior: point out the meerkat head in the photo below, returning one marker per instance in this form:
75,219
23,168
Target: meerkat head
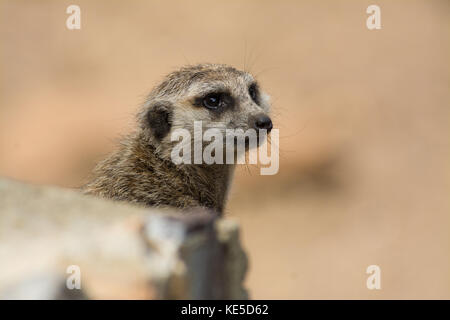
217,96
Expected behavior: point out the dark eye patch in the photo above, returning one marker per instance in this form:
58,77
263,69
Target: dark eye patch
212,101
215,101
253,91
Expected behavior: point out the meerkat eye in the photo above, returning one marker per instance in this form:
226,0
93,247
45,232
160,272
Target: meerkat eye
212,100
253,92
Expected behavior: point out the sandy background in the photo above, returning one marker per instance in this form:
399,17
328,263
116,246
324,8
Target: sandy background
363,118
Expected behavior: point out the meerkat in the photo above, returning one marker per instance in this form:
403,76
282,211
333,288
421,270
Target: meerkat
141,170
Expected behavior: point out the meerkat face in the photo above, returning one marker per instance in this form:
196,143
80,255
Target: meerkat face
216,96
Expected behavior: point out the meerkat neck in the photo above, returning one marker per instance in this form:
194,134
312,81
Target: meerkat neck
200,184
209,183
216,178
137,173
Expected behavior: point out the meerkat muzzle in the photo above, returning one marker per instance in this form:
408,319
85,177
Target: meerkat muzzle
262,122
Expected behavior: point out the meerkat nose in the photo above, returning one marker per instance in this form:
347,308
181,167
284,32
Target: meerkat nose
263,122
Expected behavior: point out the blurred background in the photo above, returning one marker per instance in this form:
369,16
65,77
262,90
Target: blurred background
363,118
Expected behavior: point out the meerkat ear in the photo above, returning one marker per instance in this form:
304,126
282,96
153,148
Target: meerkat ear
159,119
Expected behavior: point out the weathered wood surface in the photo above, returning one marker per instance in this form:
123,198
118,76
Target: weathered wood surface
123,251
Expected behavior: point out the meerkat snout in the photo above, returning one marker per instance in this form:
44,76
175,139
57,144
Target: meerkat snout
262,122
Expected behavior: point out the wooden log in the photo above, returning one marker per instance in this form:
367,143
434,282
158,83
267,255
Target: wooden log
52,240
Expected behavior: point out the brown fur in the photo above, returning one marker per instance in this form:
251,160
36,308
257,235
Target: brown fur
141,170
